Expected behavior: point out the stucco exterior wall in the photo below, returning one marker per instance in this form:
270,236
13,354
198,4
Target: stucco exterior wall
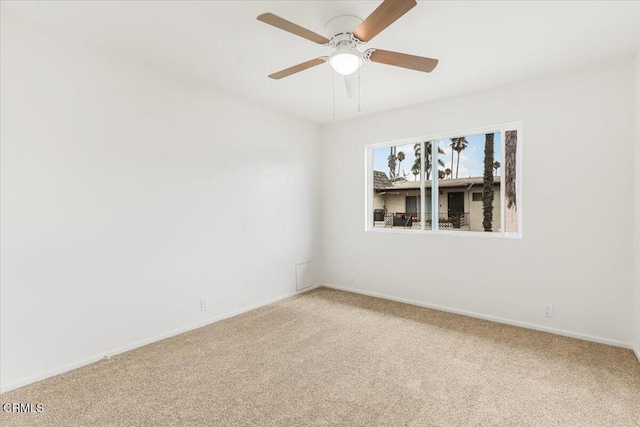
396,202
474,209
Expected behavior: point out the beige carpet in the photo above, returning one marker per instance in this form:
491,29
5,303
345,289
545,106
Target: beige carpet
333,358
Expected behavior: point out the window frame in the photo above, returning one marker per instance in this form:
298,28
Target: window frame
501,128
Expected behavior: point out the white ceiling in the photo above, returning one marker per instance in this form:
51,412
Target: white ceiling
479,44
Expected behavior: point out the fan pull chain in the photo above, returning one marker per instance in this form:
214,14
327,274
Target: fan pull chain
359,109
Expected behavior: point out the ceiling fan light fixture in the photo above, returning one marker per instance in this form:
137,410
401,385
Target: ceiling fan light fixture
345,61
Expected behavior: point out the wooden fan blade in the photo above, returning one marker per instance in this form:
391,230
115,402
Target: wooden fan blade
418,63
386,14
296,68
283,24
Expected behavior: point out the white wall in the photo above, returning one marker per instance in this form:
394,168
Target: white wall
637,210
578,209
129,195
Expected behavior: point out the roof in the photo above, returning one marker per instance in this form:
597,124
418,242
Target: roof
415,185
380,181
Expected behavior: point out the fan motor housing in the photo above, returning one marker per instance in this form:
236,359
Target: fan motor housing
341,29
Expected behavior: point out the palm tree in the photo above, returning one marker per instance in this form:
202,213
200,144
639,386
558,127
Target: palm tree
458,144
496,166
487,187
510,150
441,174
427,159
452,150
391,161
447,171
415,169
400,158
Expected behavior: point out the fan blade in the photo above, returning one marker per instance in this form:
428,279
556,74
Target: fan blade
418,63
283,24
351,82
296,68
386,14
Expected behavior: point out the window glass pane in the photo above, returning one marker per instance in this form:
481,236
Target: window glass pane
396,187
471,165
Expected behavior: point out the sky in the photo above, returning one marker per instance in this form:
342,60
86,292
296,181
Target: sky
471,159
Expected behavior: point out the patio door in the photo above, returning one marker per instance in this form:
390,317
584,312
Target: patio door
455,204
412,204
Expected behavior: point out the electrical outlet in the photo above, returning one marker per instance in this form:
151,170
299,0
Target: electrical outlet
353,278
204,305
548,310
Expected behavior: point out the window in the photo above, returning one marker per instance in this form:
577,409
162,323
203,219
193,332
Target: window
466,183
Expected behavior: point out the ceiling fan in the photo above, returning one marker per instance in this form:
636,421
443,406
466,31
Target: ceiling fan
346,58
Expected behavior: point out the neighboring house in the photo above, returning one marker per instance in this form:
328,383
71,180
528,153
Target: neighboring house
460,203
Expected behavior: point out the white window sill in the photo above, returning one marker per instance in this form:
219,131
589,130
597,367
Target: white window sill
474,234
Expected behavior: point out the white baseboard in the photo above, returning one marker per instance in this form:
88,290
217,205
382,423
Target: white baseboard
636,350
496,319
129,347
